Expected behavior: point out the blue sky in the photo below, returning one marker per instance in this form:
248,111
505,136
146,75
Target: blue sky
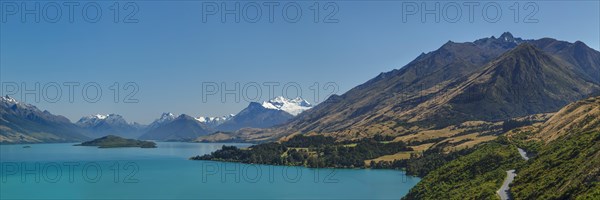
170,52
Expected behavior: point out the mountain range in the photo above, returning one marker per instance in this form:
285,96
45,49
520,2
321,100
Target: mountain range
185,128
465,114
490,79
213,122
273,112
182,128
25,123
102,125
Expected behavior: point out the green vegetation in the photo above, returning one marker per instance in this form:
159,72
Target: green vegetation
531,146
421,164
310,151
512,124
564,161
112,141
312,141
566,168
476,175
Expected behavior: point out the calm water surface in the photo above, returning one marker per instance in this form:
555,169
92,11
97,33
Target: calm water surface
64,171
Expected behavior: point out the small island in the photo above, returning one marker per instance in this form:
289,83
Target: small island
112,141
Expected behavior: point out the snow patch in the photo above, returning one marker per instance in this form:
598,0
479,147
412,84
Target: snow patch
292,106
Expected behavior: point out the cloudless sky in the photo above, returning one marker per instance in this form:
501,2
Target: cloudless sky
170,52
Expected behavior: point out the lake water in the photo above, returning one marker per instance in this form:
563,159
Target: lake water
64,171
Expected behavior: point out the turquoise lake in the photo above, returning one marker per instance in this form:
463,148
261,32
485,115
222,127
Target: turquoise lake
64,171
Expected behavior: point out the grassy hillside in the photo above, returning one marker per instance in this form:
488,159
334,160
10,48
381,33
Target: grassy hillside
475,176
567,149
567,168
564,164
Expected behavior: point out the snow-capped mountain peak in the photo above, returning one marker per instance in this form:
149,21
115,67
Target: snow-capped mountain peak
507,37
167,116
95,119
8,99
99,116
214,121
28,111
292,106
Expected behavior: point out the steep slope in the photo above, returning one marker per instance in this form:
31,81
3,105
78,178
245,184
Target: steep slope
24,123
111,124
564,161
566,168
582,115
474,176
567,164
182,128
521,82
586,61
397,89
490,79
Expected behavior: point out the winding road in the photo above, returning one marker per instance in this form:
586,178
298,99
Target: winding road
504,191
523,153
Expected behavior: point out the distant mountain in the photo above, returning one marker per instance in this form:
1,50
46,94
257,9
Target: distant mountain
291,106
256,115
270,113
112,124
213,122
165,118
182,128
24,123
491,79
